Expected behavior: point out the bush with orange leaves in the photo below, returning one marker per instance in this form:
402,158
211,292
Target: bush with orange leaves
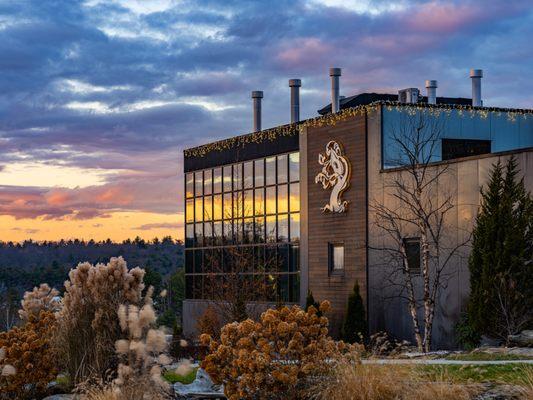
29,359
274,358
209,323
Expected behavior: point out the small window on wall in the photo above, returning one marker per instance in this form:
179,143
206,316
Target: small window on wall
412,251
336,258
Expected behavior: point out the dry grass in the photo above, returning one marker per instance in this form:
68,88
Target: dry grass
352,380
526,387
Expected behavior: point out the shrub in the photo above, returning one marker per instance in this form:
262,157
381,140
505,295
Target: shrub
42,298
354,328
310,301
273,358
28,358
467,337
209,323
88,322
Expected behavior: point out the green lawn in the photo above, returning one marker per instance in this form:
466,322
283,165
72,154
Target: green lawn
481,356
515,373
173,377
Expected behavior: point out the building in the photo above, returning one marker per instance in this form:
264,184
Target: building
305,195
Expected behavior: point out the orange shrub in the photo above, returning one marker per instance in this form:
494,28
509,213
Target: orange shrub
29,353
273,358
209,323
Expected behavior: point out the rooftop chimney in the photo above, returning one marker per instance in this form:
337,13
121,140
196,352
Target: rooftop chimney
409,95
431,88
295,84
335,101
257,95
476,75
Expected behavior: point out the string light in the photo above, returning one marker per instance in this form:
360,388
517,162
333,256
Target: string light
331,119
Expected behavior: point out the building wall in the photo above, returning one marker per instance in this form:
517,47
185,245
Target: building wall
463,179
319,228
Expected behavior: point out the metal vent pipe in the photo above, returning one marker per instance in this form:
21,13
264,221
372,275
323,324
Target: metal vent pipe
257,95
335,73
431,88
295,84
476,75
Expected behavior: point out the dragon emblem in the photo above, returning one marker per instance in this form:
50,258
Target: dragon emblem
335,174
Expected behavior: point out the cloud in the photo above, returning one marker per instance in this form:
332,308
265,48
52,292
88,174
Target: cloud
149,227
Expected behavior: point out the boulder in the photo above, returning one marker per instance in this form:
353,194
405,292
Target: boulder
202,385
523,339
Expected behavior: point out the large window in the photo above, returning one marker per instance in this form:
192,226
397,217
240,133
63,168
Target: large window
251,208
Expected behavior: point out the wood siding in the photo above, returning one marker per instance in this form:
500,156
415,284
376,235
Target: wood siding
348,228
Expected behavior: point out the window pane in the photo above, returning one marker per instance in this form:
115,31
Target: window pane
237,231
237,204
271,228
338,257
208,233
283,228
271,200
259,172
282,168
283,258
294,166
199,233
189,235
260,230
189,283
412,250
189,185
217,180
198,183
271,170
198,261
208,208
248,174
217,233
294,282
198,209
228,208
295,197
208,181
217,206
237,177
189,261
189,210
248,203
248,230
295,227
294,264
228,232
259,201
227,178
283,200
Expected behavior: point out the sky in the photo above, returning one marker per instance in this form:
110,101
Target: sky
98,98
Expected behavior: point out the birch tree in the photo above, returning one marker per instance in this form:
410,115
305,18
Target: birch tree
414,208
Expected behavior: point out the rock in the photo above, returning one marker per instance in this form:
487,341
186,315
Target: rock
201,385
501,392
62,397
490,342
523,339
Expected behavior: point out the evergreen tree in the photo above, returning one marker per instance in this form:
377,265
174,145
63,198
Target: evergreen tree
500,264
310,301
354,326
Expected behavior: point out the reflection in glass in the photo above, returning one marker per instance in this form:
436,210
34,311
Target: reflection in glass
217,206
198,261
270,170
295,227
228,208
208,180
294,283
189,185
199,233
283,199
198,212
295,197
248,174
260,230
227,178
248,203
189,210
208,233
217,233
283,228
208,208
294,263
294,166
259,172
271,200
217,180
271,228
198,183
282,169
237,177
189,261
228,232
237,204
248,230
237,231
259,201
189,235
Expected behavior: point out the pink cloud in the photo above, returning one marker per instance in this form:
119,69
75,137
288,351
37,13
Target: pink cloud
303,52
